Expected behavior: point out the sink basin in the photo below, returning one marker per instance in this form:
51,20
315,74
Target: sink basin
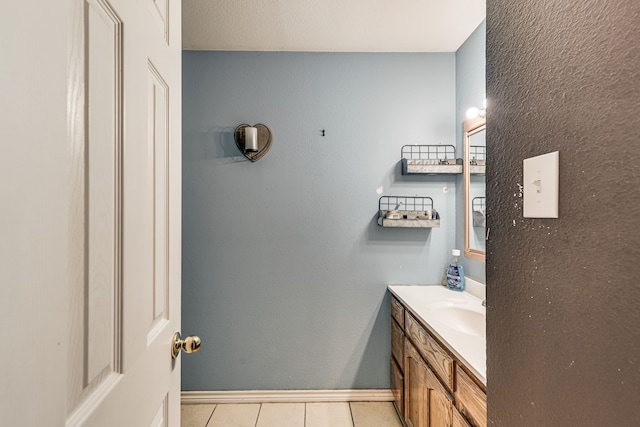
466,320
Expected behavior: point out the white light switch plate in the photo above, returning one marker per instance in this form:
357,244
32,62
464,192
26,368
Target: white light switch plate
541,186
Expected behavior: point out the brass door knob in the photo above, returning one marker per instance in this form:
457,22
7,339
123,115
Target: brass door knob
190,344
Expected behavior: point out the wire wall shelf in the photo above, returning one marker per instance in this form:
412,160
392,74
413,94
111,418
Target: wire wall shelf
478,159
479,203
408,212
430,159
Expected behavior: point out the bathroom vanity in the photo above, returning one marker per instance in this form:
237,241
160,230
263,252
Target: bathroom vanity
438,361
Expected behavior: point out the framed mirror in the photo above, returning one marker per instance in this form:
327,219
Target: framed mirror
475,158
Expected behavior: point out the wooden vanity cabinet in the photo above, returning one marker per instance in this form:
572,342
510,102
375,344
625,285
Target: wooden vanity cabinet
397,343
397,312
439,402
415,387
397,385
458,420
470,398
397,354
436,357
427,401
430,387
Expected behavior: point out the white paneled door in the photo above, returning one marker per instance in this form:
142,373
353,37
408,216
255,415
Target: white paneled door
91,226
125,239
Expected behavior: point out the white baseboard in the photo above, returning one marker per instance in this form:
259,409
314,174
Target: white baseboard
275,396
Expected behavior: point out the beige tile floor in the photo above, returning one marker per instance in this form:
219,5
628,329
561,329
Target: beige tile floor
310,414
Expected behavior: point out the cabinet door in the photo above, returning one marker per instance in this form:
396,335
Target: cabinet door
471,399
415,387
436,357
458,420
397,341
397,386
439,402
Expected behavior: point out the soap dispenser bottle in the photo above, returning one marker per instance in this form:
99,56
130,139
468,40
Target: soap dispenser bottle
455,273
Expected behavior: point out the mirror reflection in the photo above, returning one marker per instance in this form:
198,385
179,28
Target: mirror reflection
475,156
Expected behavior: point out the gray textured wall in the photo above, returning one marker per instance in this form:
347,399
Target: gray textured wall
284,268
470,92
563,337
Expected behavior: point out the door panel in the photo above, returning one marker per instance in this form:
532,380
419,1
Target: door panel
160,13
91,221
160,420
157,128
125,130
95,287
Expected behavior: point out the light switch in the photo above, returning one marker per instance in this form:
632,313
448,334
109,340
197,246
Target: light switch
541,185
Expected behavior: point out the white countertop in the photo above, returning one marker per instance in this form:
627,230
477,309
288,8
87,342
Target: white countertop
470,349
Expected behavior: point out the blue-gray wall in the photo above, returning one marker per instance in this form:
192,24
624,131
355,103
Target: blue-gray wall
284,267
470,92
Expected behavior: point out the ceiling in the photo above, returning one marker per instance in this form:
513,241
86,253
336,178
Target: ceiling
329,25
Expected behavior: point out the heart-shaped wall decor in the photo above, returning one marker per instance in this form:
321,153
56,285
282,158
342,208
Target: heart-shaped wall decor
265,138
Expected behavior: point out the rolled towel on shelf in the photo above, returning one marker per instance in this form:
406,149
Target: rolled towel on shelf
479,219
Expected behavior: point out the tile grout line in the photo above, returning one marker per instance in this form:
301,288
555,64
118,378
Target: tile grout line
353,423
304,423
258,417
210,415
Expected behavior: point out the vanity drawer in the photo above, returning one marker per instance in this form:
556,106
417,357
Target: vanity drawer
438,359
397,342
471,399
397,311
